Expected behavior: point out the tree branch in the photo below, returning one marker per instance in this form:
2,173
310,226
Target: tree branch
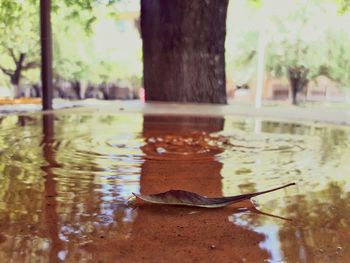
30,65
8,72
22,56
12,54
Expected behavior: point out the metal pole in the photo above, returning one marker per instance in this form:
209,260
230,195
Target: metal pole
261,70
46,53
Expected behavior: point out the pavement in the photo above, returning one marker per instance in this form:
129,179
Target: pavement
280,112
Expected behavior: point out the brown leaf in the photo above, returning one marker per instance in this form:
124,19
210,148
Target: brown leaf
181,197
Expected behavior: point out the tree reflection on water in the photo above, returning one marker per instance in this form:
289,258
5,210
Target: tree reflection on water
318,231
322,230
64,180
184,233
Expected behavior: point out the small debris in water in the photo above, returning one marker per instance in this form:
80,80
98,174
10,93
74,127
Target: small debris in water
193,212
321,250
62,255
339,250
151,140
105,219
160,150
212,247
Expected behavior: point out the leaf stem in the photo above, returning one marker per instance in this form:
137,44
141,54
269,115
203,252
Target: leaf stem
271,190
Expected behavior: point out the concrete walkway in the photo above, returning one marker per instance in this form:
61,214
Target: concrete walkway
273,112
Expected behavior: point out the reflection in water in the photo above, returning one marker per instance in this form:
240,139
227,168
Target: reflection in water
324,226
181,233
195,169
50,203
64,180
53,206
319,231
318,161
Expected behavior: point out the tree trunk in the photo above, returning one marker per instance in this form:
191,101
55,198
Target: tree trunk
294,89
15,91
183,50
298,81
16,76
37,90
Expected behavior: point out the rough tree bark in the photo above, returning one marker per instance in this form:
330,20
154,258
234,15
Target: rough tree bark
183,50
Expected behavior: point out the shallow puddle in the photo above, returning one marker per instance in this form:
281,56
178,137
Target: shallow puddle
65,180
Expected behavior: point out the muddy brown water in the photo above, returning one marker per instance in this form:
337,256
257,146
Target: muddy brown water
65,180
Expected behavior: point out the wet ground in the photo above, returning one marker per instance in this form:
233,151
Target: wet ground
65,180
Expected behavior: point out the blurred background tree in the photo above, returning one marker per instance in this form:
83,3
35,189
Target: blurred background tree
93,42
344,5
19,42
304,39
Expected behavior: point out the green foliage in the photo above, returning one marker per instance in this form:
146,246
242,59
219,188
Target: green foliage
337,66
344,5
89,43
9,11
93,55
241,42
310,34
20,35
255,3
305,40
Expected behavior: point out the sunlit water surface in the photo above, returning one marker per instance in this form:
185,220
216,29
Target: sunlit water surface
65,180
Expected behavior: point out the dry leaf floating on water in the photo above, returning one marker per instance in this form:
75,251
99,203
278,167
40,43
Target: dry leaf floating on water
181,197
